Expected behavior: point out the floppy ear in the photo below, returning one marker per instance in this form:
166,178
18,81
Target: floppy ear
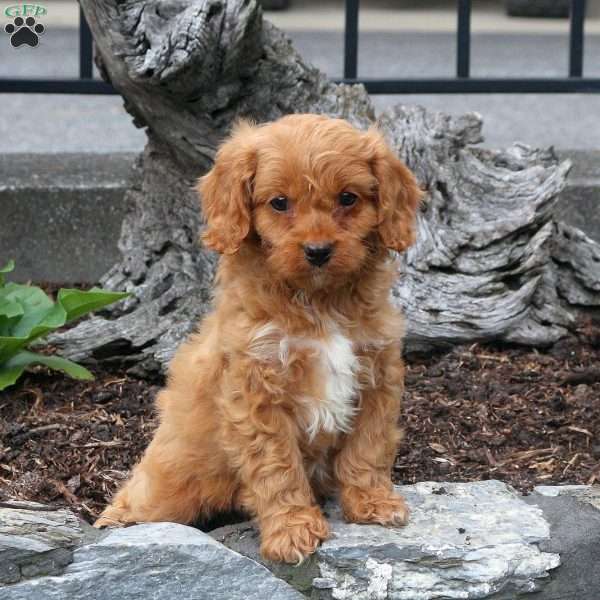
398,195
225,191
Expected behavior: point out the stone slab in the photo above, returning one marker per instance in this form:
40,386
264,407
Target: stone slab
36,540
156,561
463,540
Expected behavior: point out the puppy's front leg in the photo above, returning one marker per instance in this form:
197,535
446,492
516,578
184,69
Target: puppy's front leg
262,442
363,465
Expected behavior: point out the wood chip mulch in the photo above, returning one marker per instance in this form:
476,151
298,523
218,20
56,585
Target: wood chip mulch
478,412
525,417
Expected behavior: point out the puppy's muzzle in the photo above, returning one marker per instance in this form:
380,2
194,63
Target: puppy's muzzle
318,254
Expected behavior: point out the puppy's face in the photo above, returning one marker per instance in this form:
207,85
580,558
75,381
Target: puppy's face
315,194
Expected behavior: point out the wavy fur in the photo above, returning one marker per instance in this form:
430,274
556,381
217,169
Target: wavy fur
291,388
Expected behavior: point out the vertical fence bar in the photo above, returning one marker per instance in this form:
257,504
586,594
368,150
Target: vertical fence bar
463,39
351,40
576,38
85,48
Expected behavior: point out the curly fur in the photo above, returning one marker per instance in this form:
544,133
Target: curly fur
291,388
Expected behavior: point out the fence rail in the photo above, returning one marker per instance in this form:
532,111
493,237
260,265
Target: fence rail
463,83
85,84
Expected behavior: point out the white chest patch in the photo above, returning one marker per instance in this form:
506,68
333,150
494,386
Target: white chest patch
336,410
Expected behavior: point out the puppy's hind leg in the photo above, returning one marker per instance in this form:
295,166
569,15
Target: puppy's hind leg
175,481
167,485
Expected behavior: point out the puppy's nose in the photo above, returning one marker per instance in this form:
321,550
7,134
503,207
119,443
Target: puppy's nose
318,254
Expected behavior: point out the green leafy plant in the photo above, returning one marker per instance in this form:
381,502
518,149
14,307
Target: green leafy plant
27,314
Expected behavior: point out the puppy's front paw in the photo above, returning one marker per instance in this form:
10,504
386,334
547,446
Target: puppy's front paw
378,505
113,516
291,537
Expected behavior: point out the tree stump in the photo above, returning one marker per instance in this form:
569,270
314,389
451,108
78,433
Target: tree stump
490,262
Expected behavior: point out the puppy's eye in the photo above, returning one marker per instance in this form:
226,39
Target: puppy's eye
348,199
280,204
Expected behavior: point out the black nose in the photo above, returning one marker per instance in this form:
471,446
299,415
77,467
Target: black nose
318,254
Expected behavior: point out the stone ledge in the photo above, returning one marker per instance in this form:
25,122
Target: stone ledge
62,214
55,203
65,170
464,540
587,494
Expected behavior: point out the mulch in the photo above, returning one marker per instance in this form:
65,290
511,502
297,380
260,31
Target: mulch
523,416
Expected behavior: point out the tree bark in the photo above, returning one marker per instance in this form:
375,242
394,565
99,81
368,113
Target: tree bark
490,262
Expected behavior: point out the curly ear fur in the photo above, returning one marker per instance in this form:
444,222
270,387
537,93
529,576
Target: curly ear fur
398,195
225,191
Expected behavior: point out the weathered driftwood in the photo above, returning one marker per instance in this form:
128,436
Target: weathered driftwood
490,262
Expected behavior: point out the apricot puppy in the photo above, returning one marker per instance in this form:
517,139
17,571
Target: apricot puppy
291,388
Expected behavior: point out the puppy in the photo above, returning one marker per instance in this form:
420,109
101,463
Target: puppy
291,389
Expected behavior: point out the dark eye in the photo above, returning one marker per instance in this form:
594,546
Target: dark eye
280,204
348,198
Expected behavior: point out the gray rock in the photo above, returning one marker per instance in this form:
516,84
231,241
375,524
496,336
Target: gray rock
589,494
36,540
245,539
156,561
471,540
574,518
464,540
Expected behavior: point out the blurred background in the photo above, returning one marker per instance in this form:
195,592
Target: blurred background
398,39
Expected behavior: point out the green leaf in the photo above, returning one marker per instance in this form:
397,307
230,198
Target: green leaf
40,314
27,313
10,345
9,375
9,308
10,313
58,363
27,295
38,322
77,302
35,303
13,368
7,268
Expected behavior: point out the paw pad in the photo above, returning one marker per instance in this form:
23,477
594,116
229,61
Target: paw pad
24,31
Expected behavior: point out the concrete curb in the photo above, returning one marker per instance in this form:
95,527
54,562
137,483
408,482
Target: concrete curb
62,213
580,201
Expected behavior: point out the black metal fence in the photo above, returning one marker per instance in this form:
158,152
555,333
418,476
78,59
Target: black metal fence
84,84
463,83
